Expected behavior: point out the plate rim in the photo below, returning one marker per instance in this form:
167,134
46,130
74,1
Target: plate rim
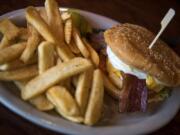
58,128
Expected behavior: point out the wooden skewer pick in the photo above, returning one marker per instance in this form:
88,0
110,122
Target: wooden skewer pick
167,18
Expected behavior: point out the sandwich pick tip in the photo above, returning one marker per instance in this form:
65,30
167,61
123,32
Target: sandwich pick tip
165,21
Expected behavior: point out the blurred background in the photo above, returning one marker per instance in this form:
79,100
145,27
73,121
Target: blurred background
147,13
143,12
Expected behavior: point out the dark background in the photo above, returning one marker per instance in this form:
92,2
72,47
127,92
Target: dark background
147,13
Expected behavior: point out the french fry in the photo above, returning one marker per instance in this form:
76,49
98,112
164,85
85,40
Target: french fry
118,81
43,14
32,44
62,99
23,34
46,60
21,84
95,104
19,74
110,88
64,52
83,90
56,26
77,119
11,53
5,42
75,80
9,29
65,16
93,54
68,30
74,48
80,43
17,64
52,76
42,27
54,19
67,84
45,56
40,102
115,75
34,18
59,61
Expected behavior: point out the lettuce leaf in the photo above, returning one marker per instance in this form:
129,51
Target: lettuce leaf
160,96
80,22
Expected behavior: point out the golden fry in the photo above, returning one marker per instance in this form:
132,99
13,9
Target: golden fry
95,104
115,75
17,64
5,42
75,80
46,60
21,84
77,119
64,52
34,18
23,34
40,102
65,16
62,99
19,74
83,90
11,53
93,54
55,74
74,48
68,30
56,26
80,43
45,56
67,84
54,19
110,88
59,61
31,46
9,29
42,27
43,14
118,81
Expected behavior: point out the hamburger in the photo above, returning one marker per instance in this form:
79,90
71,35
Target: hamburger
129,57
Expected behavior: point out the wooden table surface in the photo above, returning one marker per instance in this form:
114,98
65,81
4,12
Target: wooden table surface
146,13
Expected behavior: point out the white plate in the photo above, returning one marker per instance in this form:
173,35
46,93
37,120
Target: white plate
136,123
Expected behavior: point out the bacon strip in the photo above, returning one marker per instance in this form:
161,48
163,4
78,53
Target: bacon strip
134,95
